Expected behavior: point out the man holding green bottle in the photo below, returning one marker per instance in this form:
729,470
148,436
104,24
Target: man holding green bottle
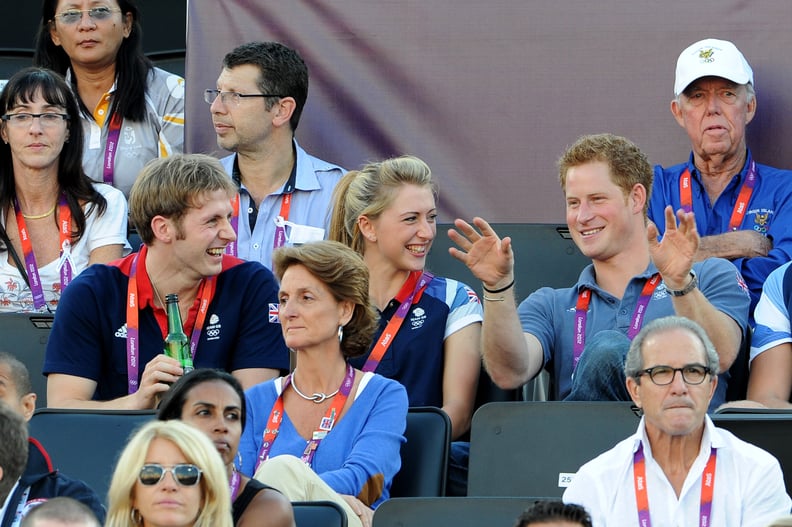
105,349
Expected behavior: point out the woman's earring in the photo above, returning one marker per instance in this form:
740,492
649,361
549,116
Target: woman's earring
340,333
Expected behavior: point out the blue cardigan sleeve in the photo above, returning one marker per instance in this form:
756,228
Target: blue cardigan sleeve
374,453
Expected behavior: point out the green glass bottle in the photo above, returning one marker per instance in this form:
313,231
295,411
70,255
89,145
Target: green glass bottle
176,344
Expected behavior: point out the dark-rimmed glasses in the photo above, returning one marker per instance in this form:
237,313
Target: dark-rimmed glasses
185,474
232,97
664,375
72,16
48,119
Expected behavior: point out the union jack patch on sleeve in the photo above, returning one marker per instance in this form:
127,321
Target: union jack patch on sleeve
742,284
273,313
473,296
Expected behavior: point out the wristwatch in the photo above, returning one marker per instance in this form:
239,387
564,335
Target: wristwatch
687,289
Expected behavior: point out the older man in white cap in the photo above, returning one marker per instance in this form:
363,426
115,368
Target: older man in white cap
743,209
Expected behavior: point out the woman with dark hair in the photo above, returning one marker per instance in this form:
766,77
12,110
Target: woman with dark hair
131,111
213,401
54,220
327,431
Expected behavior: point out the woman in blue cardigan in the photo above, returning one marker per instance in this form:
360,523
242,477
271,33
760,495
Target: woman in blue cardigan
327,431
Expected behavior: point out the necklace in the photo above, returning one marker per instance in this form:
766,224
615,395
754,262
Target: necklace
156,292
317,397
39,216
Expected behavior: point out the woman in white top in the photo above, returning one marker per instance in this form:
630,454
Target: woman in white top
55,221
131,111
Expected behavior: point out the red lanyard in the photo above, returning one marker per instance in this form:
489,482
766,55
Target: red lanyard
65,262
280,229
325,425
642,496
581,312
743,198
389,333
206,292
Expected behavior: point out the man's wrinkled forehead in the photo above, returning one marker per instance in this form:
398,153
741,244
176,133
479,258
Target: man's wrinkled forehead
710,81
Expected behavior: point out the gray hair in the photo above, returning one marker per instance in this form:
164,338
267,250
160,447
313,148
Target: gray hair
634,363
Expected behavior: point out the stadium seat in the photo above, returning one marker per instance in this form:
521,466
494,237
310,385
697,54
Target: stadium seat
534,448
766,428
451,511
424,456
84,444
545,256
319,514
544,253
25,336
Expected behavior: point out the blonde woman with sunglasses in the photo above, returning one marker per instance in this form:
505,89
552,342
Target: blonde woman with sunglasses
169,474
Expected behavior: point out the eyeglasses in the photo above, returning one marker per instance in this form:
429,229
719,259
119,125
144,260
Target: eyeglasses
232,97
72,16
664,375
49,119
185,474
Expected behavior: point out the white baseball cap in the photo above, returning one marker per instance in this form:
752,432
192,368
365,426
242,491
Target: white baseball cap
711,57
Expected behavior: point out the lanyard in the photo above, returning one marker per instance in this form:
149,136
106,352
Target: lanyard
581,312
325,425
280,227
740,207
642,496
111,147
389,333
231,248
206,292
65,262
20,511
234,485
285,208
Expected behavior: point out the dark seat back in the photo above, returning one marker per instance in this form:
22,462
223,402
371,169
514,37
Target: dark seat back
451,511
534,448
739,370
85,444
770,430
318,514
25,336
424,456
544,253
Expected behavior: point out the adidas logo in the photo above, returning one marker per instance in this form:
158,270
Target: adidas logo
121,332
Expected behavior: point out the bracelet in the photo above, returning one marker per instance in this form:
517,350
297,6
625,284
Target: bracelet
496,291
687,289
493,299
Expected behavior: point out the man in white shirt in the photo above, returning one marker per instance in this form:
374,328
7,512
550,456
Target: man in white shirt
655,476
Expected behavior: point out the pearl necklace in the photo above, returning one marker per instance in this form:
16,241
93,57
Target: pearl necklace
317,397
